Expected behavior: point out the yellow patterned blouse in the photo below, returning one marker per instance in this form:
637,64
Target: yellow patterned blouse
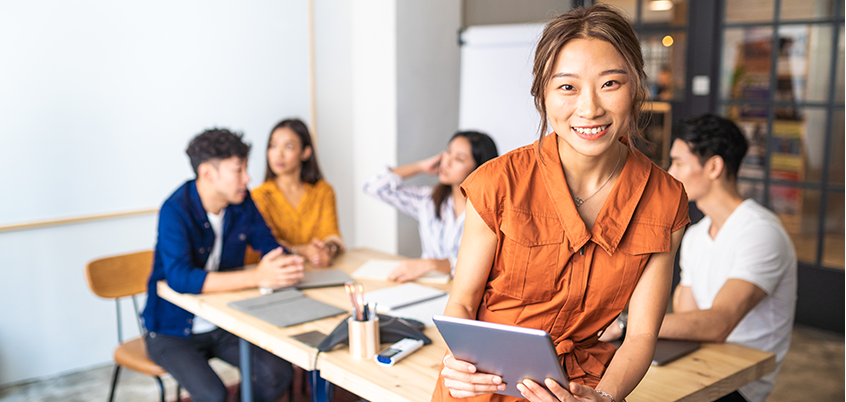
314,217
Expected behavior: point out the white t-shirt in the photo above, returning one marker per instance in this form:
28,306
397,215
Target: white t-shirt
753,246
202,325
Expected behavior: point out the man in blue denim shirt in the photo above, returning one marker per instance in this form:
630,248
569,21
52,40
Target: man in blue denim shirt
204,229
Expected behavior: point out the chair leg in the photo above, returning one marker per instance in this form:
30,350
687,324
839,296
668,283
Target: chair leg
161,388
115,375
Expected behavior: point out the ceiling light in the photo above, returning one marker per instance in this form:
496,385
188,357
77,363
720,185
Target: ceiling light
660,5
667,41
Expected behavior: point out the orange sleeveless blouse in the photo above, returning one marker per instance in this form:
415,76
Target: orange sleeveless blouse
550,272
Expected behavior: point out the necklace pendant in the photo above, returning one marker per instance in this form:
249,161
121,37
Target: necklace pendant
578,201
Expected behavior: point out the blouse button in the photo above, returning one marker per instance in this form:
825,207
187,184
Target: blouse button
202,250
187,331
206,225
242,237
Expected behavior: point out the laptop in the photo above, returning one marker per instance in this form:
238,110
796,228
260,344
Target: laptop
316,278
286,307
667,350
514,353
322,278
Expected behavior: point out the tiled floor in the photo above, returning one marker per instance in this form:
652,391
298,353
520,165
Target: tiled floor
813,370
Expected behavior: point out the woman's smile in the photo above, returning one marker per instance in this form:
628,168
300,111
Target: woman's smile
591,133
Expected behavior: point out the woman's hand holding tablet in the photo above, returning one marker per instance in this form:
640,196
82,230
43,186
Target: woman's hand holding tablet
463,381
577,392
495,357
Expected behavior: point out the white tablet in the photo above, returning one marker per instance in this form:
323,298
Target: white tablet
514,353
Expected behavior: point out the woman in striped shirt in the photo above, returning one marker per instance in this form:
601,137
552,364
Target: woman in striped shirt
439,210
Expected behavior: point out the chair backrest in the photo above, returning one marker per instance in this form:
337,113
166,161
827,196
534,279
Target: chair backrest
121,275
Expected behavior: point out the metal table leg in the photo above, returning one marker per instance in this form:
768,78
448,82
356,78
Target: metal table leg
321,390
246,374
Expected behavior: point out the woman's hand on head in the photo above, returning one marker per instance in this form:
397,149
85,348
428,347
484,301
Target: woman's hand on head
430,165
577,392
409,270
463,381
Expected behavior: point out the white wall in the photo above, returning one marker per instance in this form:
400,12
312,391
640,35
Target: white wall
387,94
98,100
50,321
496,80
374,119
427,92
98,92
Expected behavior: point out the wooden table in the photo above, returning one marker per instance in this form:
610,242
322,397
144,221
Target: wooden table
704,375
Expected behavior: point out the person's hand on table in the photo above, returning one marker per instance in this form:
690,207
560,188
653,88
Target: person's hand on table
463,381
409,270
319,254
277,270
577,392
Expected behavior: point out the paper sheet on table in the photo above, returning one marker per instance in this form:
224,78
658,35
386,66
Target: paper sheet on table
379,269
424,311
393,298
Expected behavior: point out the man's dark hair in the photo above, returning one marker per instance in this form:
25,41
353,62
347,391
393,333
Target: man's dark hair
216,144
709,135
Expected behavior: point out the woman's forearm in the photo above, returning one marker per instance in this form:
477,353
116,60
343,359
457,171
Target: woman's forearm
628,367
406,171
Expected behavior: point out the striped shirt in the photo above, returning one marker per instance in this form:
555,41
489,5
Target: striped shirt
439,238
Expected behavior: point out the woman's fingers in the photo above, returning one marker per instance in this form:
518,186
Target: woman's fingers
461,379
536,393
583,391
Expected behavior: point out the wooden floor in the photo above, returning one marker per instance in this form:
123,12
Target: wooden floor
813,370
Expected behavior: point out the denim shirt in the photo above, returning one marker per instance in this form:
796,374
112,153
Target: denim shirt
184,242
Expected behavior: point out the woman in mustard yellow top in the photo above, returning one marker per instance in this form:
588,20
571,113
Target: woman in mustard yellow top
295,201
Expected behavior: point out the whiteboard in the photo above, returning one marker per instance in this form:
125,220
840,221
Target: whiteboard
99,98
496,82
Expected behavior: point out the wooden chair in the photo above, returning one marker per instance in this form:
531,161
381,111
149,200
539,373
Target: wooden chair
126,276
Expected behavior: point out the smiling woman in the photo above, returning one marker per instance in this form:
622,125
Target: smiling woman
562,234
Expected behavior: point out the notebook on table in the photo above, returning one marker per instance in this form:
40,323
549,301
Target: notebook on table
317,278
286,307
397,297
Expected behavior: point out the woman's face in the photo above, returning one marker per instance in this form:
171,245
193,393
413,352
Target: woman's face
456,162
589,98
285,154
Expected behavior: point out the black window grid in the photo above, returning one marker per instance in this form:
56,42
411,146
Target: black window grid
824,187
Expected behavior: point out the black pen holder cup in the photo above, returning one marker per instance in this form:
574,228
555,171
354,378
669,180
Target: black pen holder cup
364,338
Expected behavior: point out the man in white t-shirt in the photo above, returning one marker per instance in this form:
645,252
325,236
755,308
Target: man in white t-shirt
738,266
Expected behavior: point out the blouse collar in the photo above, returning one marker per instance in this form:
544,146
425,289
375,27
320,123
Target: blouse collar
616,212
